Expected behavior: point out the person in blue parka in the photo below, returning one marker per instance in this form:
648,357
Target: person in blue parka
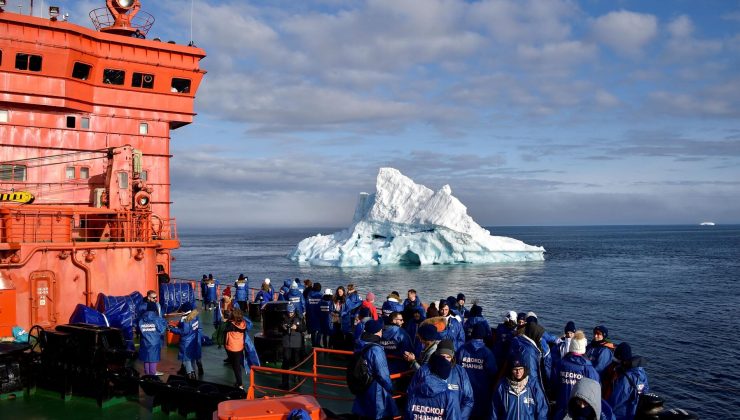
624,381
600,349
458,383
151,326
295,296
532,350
395,341
517,397
475,316
586,404
353,301
480,365
242,292
325,324
412,326
428,396
211,293
410,304
454,329
284,289
264,295
505,332
189,331
392,304
377,400
313,313
571,369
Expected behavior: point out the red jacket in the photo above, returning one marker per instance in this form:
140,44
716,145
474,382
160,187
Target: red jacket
370,306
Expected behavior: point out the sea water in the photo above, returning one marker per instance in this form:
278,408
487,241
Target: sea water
670,291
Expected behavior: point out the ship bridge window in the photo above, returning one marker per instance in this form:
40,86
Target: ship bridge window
85,122
12,173
69,172
81,71
144,175
142,80
4,116
27,62
84,172
180,85
113,77
143,128
71,122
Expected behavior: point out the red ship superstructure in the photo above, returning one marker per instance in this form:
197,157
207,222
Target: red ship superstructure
85,120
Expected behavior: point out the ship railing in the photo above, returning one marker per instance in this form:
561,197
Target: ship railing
102,18
58,226
220,287
325,364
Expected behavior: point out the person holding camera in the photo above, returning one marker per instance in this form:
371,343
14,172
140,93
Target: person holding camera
292,327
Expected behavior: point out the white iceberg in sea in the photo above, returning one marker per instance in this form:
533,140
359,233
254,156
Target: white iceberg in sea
408,223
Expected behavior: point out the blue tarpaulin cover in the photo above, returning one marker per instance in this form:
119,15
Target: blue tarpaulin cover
173,295
121,313
88,315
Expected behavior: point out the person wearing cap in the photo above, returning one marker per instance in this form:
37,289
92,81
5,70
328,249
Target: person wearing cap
428,339
585,402
505,332
624,381
392,304
325,324
600,349
458,383
292,327
517,397
429,396
460,308
369,303
521,322
475,316
151,327
529,347
241,285
189,331
313,312
571,369
264,295
395,341
454,330
377,400
480,365
560,347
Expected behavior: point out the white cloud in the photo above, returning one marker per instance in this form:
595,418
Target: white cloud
606,99
626,32
681,27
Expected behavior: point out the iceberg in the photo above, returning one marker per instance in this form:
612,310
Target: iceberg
408,223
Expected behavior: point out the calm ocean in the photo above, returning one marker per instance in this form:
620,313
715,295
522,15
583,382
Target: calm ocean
670,291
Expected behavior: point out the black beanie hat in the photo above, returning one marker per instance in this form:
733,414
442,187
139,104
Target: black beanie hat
476,310
439,366
623,352
570,327
480,331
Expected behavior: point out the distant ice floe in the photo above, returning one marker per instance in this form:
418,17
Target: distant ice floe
408,223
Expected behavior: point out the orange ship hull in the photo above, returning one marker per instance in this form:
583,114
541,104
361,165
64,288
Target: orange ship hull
85,120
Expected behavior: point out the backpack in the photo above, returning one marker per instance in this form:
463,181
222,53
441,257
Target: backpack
359,378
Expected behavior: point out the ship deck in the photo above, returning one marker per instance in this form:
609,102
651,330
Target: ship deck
42,404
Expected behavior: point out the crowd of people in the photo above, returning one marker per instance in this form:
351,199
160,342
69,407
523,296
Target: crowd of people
455,364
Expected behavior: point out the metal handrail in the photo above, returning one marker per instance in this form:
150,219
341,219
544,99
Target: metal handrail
50,226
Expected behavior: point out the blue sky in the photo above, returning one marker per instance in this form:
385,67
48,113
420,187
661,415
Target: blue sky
535,112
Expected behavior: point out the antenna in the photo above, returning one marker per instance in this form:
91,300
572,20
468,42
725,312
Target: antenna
191,21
